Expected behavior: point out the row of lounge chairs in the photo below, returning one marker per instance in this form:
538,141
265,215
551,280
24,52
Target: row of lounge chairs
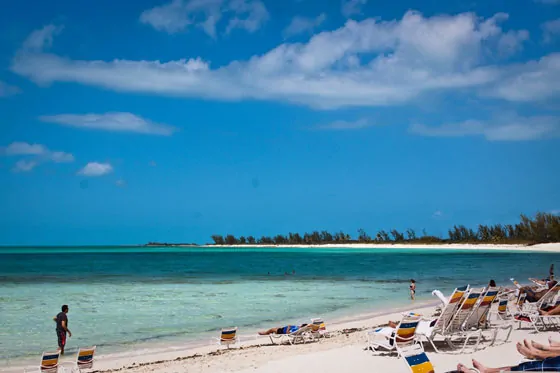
467,314
50,362
531,312
313,331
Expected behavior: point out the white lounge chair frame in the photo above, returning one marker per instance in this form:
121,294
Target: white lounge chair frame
46,368
303,334
224,341
395,338
440,325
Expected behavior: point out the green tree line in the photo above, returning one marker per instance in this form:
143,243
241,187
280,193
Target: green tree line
542,228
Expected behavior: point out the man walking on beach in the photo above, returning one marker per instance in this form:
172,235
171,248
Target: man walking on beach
61,321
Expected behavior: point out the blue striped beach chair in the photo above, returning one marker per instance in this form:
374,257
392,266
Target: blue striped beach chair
458,327
395,338
416,359
228,337
49,363
479,316
84,358
294,334
438,326
318,328
502,312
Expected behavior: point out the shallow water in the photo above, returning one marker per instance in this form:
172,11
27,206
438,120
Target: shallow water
120,297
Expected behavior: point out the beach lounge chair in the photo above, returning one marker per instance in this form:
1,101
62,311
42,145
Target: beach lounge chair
49,363
550,299
430,329
502,311
84,360
395,338
480,318
416,359
227,337
459,326
301,334
518,305
319,329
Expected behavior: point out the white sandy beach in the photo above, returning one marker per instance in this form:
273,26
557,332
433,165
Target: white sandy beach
545,247
343,352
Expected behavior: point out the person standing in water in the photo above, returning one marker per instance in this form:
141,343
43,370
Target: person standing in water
412,289
61,321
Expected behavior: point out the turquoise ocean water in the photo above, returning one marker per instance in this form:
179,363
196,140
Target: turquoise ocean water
125,298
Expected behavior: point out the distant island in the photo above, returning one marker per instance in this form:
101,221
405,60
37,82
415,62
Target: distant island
542,228
159,244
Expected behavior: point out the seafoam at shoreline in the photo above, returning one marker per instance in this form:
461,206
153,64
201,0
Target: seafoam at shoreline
546,247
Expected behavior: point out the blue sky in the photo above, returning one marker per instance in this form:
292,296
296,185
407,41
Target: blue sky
128,122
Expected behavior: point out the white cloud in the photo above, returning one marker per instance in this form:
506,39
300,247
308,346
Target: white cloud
120,183
300,25
35,154
511,42
41,39
551,30
8,90
96,169
152,163
529,82
514,128
437,214
24,148
24,165
367,63
250,15
351,7
178,15
117,122
346,125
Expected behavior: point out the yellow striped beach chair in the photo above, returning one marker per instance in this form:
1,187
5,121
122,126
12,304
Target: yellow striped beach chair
479,316
417,360
228,337
430,329
84,359
49,363
395,339
502,310
318,328
458,325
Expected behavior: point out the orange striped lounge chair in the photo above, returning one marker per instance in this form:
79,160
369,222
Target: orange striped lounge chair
430,329
395,339
318,328
416,359
228,337
480,318
502,310
458,325
84,359
49,363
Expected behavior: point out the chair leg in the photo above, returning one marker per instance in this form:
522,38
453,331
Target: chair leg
432,343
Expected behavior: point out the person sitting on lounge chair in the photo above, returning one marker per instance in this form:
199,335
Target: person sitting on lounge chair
282,330
534,295
546,359
551,312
